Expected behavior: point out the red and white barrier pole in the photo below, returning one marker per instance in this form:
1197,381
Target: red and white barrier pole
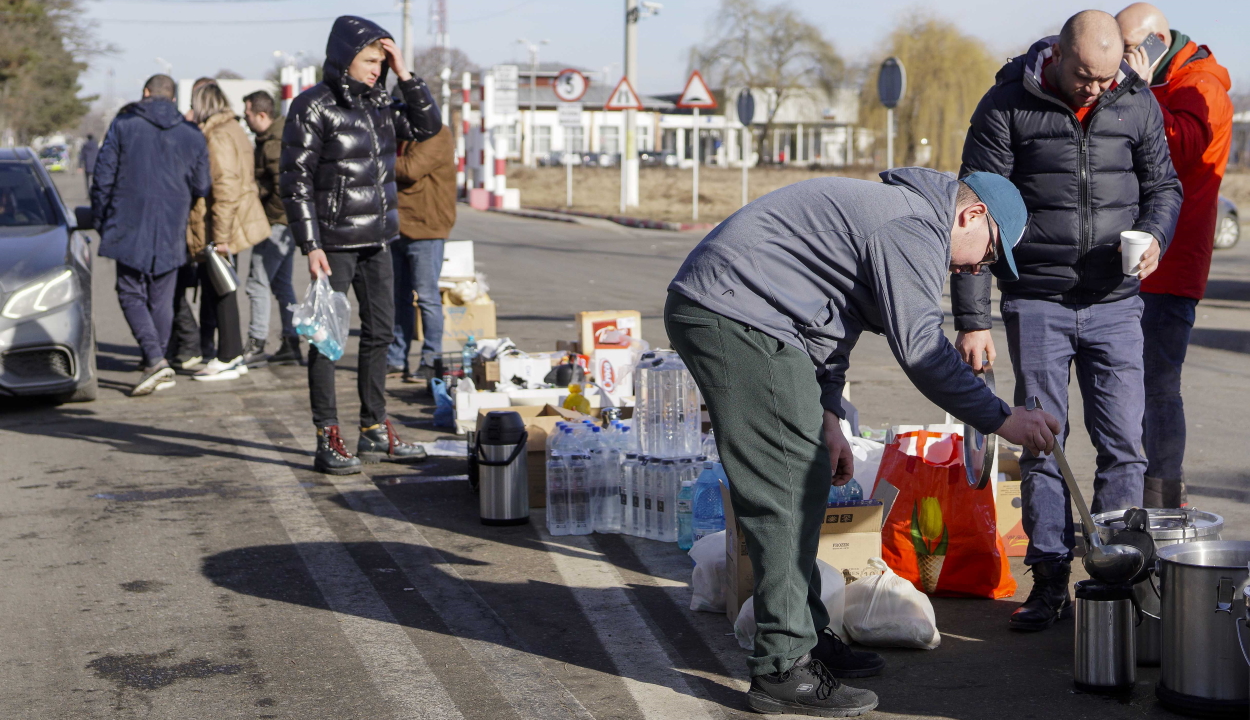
308,78
287,78
486,164
501,166
462,142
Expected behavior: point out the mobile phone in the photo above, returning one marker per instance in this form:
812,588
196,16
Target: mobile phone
1154,48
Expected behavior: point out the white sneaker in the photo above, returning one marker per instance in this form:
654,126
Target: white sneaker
164,385
190,363
218,370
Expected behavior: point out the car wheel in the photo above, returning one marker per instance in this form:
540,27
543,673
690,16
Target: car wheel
83,393
1227,232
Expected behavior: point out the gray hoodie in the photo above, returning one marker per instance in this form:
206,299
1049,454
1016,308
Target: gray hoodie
817,263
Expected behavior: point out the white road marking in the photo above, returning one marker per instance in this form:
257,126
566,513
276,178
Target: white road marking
395,665
518,675
644,665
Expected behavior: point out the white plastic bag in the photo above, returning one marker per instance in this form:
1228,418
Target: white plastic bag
832,594
323,318
888,611
707,580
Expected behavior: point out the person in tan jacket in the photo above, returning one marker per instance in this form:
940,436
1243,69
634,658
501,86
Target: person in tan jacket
230,220
425,174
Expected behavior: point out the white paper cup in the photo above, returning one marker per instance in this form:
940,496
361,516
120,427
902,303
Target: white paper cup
1132,244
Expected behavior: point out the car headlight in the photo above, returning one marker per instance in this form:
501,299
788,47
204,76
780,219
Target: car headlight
41,295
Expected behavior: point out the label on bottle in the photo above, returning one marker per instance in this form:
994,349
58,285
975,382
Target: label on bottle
659,505
635,501
683,506
624,500
648,503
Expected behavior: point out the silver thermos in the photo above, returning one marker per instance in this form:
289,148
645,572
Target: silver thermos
1104,657
503,484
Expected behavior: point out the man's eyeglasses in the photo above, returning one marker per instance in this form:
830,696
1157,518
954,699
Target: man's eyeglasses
991,255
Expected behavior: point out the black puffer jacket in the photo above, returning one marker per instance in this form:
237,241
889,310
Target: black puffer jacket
338,148
1082,187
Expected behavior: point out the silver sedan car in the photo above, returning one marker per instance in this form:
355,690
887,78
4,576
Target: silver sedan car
47,343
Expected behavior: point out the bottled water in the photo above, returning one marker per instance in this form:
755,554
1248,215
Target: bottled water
854,493
467,353
666,502
708,512
649,470
685,505
580,520
595,475
557,495
667,416
709,447
632,472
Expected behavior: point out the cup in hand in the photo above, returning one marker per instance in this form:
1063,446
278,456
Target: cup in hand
1132,244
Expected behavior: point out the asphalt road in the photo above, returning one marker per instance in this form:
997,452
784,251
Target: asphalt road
176,557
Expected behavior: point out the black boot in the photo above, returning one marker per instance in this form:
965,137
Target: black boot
842,661
332,456
808,688
1161,493
1048,601
254,354
380,442
288,353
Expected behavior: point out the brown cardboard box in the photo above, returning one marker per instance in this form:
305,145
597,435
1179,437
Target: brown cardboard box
848,538
461,321
1010,526
1009,460
592,324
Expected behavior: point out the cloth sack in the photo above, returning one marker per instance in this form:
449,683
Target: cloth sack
887,611
941,534
707,580
832,594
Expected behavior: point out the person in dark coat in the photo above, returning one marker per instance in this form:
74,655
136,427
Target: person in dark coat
338,187
152,165
86,159
1082,137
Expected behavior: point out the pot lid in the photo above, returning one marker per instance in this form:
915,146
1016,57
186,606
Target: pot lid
1168,524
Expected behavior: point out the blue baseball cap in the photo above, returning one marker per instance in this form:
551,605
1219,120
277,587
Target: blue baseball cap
1006,207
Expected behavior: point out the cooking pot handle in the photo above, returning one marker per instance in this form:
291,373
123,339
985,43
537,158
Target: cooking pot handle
1156,570
481,459
1220,605
1241,643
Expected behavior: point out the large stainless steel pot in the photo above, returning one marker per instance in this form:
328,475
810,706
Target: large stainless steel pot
1202,669
1167,527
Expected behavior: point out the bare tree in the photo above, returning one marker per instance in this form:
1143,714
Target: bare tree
428,63
947,73
767,47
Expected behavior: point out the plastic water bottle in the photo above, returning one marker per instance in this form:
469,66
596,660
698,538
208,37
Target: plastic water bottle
854,492
580,520
708,514
595,471
708,447
648,473
467,353
632,490
557,487
837,495
685,507
666,501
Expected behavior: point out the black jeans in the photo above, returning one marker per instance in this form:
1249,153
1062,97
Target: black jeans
220,313
370,274
184,344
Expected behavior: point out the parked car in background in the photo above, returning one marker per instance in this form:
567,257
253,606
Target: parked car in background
1227,225
657,158
47,339
55,158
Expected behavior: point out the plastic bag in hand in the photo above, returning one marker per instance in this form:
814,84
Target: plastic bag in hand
707,581
888,611
832,593
323,318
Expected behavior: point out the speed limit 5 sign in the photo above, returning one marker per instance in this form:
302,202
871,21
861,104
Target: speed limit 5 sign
570,85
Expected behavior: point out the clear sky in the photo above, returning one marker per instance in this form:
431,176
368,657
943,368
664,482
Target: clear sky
200,37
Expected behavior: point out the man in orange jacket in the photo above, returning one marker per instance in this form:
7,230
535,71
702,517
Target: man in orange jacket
1192,90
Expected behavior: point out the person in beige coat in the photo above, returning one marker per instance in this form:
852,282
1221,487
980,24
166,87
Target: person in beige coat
230,220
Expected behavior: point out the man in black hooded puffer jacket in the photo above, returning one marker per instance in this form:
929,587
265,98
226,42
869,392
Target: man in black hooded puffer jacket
338,187
1083,139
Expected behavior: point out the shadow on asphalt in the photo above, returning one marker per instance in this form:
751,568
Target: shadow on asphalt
1221,339
1219,289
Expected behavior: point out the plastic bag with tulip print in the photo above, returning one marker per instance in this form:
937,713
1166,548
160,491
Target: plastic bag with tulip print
941,534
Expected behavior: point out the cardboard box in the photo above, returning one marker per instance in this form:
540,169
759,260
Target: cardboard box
592,325
539,422
849,536
458,259
1009,460
1008,507
461,321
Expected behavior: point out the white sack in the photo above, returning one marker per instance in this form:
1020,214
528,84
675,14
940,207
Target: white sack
707,580
832,594
888,611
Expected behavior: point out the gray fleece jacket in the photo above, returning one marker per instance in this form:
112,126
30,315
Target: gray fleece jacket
817,263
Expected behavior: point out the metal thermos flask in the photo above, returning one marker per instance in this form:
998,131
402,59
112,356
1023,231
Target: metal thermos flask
1104,656
221,272
503,484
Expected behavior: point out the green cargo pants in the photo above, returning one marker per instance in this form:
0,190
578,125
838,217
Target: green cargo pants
764,402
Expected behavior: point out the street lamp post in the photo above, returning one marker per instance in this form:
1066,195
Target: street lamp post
530,160
634,11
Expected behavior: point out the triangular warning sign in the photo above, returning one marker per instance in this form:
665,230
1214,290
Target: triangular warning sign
623,97
696,94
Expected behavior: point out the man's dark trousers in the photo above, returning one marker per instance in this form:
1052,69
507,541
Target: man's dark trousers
368,272
764,402
148,304
1166,323
1104,342
185,343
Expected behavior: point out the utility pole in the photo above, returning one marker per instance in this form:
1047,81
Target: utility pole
406,35
438,28
629,156
527,151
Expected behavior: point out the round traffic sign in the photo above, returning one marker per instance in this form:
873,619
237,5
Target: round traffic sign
746,106
891,82
570,85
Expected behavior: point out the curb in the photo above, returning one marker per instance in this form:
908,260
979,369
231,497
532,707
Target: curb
531,214
630,221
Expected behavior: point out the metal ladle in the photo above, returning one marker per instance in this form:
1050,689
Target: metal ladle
1113,564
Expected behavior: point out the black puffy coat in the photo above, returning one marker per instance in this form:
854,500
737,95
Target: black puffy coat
1082,187
338,148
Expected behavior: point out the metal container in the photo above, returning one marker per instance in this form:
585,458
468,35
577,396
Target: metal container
503,483
1202,670
1167,527
1104,659
221,272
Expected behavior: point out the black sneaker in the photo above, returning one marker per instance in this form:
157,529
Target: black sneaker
254,354
1048,600
808,688
381,442
843,662
153,378
332,458
288,353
